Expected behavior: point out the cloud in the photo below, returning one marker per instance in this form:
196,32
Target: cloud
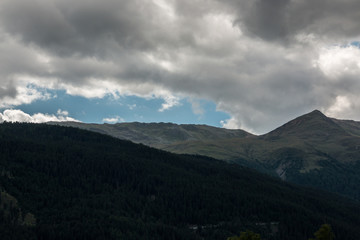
339,61
261,61
231,123
114,119
340,105
24,95
169,102
283,20
15,115
131,106
197,107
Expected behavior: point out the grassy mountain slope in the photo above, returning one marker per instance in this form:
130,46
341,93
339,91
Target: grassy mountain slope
314,126
84,185
350,126
159,134
312,150
317,151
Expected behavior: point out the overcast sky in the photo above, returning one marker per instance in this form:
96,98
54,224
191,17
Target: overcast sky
251,64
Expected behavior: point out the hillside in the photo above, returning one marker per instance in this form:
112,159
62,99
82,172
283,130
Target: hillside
350,126
159,134
75,184
311,150
314,126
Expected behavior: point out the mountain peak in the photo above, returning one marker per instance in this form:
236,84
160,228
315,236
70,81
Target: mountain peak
313,124
315,113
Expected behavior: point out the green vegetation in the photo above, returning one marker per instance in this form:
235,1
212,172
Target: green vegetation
311,150
324,233
159,135
248,235
73,184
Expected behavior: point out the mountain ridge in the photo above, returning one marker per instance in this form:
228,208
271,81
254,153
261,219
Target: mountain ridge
315,121
312,149
157,134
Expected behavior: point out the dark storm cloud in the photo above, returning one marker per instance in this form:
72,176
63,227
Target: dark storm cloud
8,90
283,19
90,28
268,19
53,26
262,61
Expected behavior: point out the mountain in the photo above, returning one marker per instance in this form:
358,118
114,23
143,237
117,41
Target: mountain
66,183
159,134
350,126
311,139
184,138
317,151
312,150
313,126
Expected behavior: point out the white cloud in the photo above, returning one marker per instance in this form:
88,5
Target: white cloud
231,123
340,106
24,93
196,107
15,115
170,101
337,61
114,119
131,106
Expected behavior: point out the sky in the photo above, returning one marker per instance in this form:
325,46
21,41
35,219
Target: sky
251,64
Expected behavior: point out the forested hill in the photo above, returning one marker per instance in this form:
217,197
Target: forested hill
66,183
312,150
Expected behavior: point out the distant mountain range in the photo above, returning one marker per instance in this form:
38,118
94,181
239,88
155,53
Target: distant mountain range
66,183
312,150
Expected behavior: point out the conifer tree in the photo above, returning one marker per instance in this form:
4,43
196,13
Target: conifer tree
324,233
248,235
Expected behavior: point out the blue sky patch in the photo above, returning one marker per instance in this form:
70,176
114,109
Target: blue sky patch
127,108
